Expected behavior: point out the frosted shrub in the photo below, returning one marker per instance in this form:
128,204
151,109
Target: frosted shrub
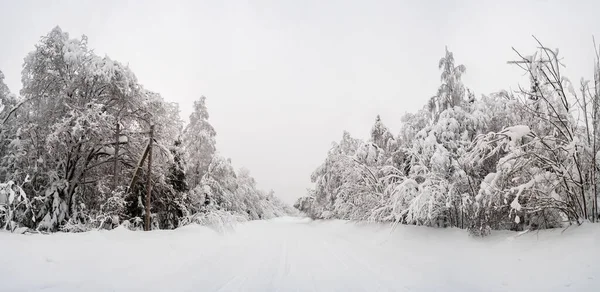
13,205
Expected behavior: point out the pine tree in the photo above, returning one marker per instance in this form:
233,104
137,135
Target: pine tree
176,176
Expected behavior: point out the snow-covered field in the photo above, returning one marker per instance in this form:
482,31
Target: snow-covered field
295,254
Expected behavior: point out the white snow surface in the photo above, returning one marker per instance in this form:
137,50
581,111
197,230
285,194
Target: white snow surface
298,254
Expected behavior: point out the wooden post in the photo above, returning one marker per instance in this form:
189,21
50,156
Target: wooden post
139,165
116,162
149,182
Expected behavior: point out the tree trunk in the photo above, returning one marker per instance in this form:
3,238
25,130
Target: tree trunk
116,162
149,179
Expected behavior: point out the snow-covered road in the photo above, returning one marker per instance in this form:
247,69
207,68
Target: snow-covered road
294,254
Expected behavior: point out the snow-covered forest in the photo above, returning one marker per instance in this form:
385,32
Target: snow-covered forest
77,154
523,159
476,191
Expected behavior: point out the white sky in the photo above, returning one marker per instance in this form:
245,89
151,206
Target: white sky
283,79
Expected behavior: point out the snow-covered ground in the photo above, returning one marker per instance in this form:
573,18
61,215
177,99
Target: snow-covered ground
294,254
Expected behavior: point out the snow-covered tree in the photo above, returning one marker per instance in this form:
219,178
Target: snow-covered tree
8,124
199,143
452,92
335,176
545,173
382,137
66,130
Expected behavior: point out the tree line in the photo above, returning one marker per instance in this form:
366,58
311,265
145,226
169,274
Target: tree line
73,138
518,160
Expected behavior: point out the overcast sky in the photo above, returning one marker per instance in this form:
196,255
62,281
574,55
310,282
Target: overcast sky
283,79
